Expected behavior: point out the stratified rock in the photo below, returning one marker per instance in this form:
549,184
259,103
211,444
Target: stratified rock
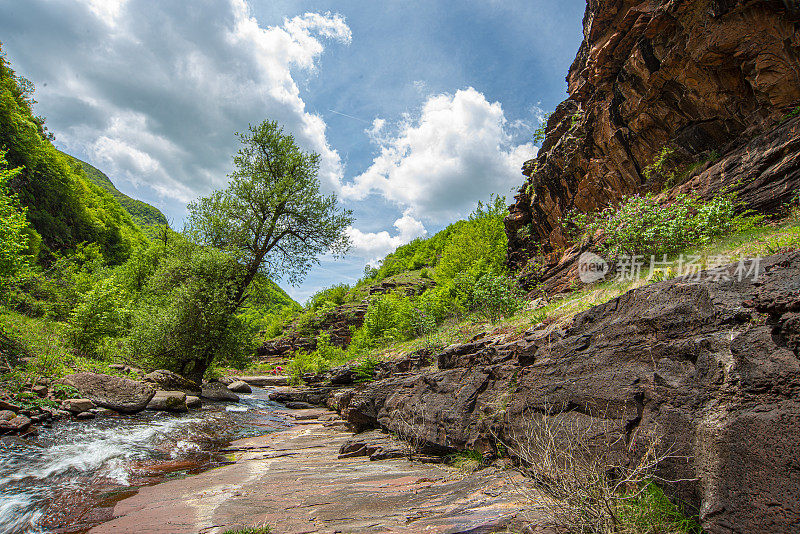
168,401
5,405
169,381
298,405
710,81
113,392
193,402
7,415
263,381
77,405
218,391
710,366
315,396
239,386
375,444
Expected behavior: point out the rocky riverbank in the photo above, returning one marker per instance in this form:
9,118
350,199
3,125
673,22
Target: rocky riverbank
296,482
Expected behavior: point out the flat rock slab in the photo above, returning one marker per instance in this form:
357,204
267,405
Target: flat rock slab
266,380
293,482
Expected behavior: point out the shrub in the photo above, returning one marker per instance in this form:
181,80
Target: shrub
495,297
325,356
640,225
100,313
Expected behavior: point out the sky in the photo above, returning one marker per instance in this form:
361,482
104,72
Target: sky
418,109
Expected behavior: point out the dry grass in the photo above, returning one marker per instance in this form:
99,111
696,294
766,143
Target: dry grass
589,478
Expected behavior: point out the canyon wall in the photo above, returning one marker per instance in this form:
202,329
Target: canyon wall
715,83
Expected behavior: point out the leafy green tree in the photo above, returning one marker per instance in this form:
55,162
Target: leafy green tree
13,229
272,217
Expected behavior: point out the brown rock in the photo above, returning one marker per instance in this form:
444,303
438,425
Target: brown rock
239,386
168,401
169,381
705,79
193,402
218,391
7,415
709,365
77,405
113,392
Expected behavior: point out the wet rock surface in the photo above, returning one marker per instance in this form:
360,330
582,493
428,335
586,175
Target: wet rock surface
294,482
169,381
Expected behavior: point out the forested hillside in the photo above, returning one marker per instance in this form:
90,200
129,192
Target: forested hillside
142,213
63,206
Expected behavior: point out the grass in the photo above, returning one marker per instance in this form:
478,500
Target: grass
468,460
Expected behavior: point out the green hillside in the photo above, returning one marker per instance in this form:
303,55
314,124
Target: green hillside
63,205
143,214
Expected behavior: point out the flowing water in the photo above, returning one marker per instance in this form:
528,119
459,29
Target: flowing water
67,478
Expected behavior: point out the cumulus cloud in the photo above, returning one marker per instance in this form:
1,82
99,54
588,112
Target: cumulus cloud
458,150
373,246
153,91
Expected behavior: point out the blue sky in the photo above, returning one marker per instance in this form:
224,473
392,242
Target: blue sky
418,108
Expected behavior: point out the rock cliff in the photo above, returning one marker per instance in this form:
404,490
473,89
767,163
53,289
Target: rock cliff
708,87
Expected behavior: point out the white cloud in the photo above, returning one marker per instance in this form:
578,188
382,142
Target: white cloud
373,246
156,105
459,150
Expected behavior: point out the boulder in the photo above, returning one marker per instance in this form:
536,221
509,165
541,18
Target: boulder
83,416
77,405
168,381
7,415
41,391
218,391
5,405
193,402
17,425
112,392
168,401
375,444
240,386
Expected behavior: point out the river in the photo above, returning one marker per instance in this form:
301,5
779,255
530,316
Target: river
67,478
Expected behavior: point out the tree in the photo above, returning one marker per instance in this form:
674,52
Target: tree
13,229
272,217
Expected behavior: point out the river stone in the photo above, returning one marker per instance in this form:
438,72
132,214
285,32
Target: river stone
85,415
266,380
218,391
168,401
169,381
77,405
193,402
4,405
18,424
7,415
240,387
113,392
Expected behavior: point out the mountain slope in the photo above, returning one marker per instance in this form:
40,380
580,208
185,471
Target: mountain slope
142,213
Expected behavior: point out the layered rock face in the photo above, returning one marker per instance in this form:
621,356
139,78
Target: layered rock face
710,366
714,82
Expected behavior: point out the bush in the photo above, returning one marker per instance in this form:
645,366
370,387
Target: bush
325,356
640,225
495,297
100,313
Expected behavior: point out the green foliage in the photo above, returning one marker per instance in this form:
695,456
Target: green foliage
389,318
142,213
496,297
100,313
318,361
641,225
63,206
185,318
661,171
649,511
272,217
792,114
479,244
13,230
365,370
540,133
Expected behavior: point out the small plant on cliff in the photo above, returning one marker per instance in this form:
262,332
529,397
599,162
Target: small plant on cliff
540,133
661,171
